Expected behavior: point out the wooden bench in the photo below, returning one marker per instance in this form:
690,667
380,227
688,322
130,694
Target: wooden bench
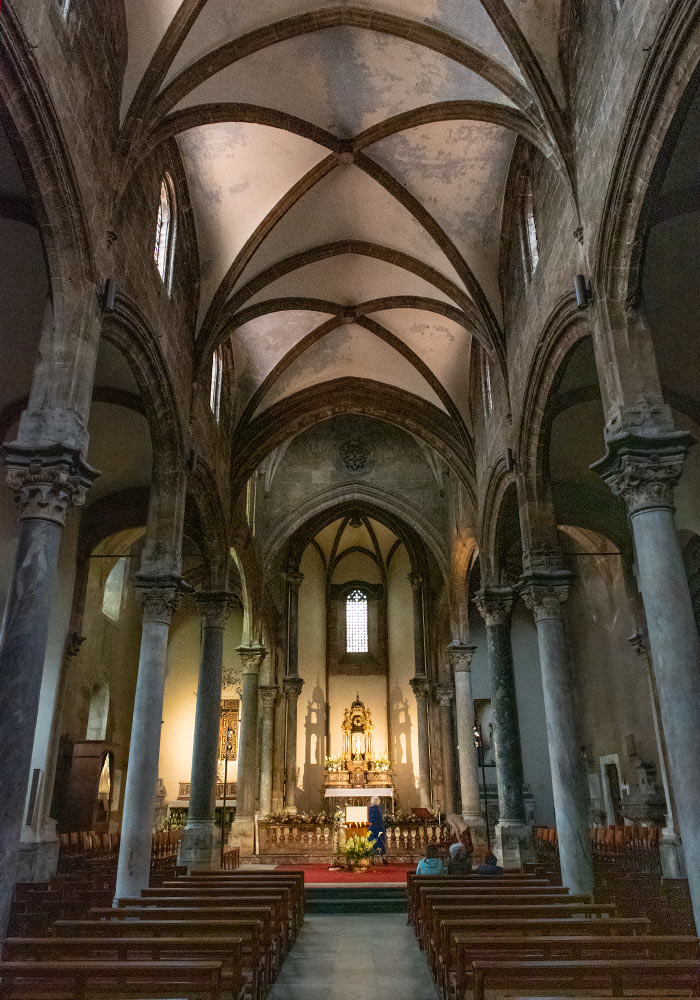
76,980
293,880
615,975
413,882
565,947
285,891
227,950
255,952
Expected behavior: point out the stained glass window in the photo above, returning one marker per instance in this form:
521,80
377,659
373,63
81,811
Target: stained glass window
356,623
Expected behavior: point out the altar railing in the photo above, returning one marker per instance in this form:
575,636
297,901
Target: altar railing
408,840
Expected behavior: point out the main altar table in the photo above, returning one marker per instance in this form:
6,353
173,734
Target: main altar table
359,793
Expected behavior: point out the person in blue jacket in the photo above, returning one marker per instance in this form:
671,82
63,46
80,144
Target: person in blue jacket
377,830
431,863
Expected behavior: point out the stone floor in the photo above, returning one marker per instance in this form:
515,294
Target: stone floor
355,957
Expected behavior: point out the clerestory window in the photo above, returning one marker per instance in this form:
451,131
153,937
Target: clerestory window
531,250
217,372
114,591
164,247
487,392
356,636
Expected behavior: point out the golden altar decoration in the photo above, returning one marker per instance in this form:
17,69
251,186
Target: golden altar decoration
358,766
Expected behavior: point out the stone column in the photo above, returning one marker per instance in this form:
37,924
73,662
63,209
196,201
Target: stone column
461,656
159,598
418,624
445,696
670,844
243,827
421,689
45,482
513,843
544,594
292,689
644,470
294,580
268,695
197,847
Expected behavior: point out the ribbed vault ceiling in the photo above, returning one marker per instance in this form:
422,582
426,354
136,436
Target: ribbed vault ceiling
347,166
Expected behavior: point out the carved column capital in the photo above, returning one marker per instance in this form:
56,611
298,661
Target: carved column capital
445,694
416,580
421,688
292,687
495,605
643,469
46,481
252,657
214,607
268,694
544,594
460,656
159,597
294,580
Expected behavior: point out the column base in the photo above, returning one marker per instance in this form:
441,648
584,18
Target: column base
200,846
672,856
37,861
513,845
242,835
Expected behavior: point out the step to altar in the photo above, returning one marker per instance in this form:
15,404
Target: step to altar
355,899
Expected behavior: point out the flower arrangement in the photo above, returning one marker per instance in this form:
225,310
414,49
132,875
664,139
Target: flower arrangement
334,764
400,818
382,764
358,849
298,819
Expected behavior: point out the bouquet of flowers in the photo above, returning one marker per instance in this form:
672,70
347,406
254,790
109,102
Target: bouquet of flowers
382,763
358,848
334,764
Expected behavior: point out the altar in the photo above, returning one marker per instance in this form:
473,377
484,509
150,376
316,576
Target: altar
359,771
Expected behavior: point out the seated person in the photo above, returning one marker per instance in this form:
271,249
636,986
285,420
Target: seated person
459,862
490,866
431,863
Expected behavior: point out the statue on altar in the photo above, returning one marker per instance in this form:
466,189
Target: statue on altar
358,766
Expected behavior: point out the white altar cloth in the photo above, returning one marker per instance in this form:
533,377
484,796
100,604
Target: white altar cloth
352,793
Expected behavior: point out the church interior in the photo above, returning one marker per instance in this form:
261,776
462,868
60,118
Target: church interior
348,408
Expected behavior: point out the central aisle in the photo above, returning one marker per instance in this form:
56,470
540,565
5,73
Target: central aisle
355,957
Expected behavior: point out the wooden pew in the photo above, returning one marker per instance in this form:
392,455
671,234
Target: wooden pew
295,880
219,914
615,975
226,950
450,928
430,899
553,948
286,890
414,882
255,949
73,980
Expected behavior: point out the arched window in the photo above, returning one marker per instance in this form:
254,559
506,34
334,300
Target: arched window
64,7
531,250
164,247
217,371
356,637
114,589
486,390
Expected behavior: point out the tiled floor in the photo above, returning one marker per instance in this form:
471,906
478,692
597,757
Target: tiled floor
355,957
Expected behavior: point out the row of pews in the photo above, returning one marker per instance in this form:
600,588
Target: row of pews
520,932
208,935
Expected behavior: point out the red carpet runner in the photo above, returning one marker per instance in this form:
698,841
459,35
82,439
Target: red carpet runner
314,874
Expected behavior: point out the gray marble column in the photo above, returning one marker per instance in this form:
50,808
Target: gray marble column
292,689
544,594
513,842
416,580
644,470
460,656
294,580
445,697
670,844
421,689
197,847
159,598
268,697
45,483
243,827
